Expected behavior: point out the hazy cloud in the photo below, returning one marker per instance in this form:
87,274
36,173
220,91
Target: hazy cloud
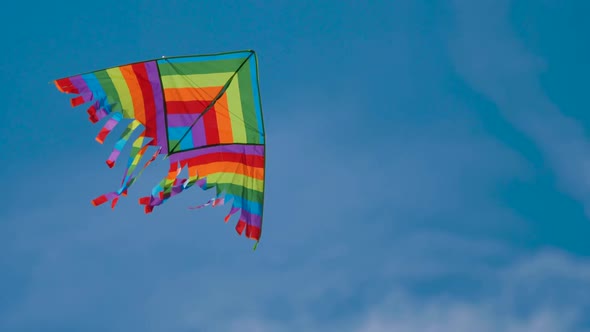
488,55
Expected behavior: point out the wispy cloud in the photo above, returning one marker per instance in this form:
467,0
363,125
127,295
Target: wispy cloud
515,301
526,295
489,56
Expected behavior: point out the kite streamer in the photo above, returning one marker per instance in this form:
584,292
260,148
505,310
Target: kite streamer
203,112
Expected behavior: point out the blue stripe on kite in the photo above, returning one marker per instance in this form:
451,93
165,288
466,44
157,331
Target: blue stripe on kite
94,86
156,190
242,203
239,55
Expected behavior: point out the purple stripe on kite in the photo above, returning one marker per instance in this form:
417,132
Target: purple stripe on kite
232,148
177,189
231,212
114,155
201,182
111,123
101,113
181,120
111,195
155,201
251,219
154,77
198,131
87,96
82,87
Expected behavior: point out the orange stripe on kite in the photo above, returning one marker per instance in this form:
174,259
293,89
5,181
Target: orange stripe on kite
189,94
223,120
135,92
204,170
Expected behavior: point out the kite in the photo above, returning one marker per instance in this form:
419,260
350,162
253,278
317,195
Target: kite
202,112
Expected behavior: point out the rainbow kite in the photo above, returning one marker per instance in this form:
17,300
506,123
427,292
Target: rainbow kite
202,111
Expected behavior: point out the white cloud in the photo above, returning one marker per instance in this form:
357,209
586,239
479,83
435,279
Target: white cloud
511,306
403,311
461,317
487,54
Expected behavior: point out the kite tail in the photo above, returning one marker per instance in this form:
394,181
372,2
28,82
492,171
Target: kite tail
249,221
217,200
98,111
108,127
170,186
137,151
245,223
133,125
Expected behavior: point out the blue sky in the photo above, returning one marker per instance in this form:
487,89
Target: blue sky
428,170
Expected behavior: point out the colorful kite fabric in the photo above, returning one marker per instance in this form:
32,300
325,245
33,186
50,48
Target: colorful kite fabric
202,111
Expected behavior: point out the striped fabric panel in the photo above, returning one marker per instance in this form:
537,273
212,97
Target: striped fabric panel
238,172
133,90
191,84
